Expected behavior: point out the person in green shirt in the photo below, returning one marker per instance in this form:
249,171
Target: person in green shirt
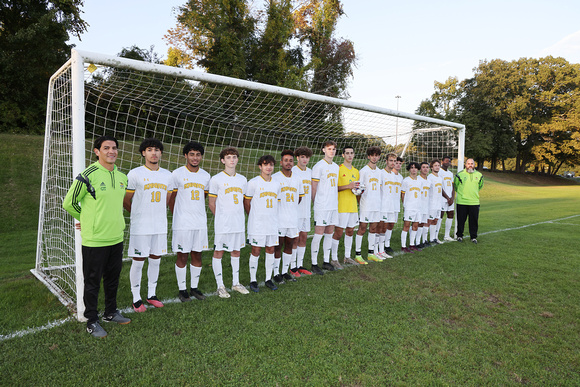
467,185
95,199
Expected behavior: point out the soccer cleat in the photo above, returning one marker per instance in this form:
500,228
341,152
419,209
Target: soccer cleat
336,265
386,256
240,289
155,302
254,287
139,306
420,246
222,292
327,266
303,271
389,251
288,277
295,272
427,244
374,258
279,279
474,240
435,242
459,239
117,317
317,270
360,260
448,239
184,296
96,330
406,250
196,293
414,248
271,285
350,261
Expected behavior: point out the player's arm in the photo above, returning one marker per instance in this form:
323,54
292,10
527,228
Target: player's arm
127,200
72,199
247,204
171,199
402,196
211,203
314,186
350,185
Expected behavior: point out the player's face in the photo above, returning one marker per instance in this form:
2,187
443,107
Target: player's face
436,167
445,163
287,162
398,165
193,158
348,155
303,161
391,162
152,155
266,169
230,161
424,170
108,152
413,171
470,165
329,151
374,159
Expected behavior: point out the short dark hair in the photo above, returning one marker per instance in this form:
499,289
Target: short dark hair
99,141
192,145
424,163
446,157
434,161
150,143
286,152
347,147
399,158
303,151
329,143
266,159
413,164
229,151
373,150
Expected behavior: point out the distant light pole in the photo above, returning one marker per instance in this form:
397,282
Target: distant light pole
398,97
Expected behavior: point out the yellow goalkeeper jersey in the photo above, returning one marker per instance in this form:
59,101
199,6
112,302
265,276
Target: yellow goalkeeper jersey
346,199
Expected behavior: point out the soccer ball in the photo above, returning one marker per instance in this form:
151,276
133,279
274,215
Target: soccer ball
358,191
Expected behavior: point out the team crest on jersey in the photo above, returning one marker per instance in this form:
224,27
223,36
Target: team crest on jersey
103,186
224,246
324,222
254,242
179,247
137,252
122,185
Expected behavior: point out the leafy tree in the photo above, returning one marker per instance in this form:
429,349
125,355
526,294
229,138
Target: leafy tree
33,36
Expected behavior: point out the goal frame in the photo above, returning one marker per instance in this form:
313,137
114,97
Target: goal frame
77,112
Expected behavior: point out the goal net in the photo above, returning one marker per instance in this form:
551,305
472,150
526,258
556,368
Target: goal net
94,95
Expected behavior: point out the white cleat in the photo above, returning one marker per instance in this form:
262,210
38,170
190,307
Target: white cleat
222,292
448,239
240,289
386,256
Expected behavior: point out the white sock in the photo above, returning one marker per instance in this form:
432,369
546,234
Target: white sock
388,235
439,222
216,264
404,238
448,224
433,231
425,233
181,275
276,265
286,260
371,241
135,275
269,266
195,273
412,237
381,245
253,267
152,276
314,248
347,245
300,251
235,262
334,249
326,246
358,243
293,264
418,236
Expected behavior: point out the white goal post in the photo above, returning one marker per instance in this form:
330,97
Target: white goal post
93,95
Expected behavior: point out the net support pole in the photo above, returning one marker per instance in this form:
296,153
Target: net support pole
78,164
461,149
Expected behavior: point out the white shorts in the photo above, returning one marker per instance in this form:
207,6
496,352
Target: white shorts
288,232
390,217
184,241
446,207
370,216
347,219
229,242
434,214
303,224
326,218
413,216
142,246
263,240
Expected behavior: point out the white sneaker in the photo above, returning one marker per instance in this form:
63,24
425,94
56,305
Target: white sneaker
240,289
222,292
448,239
385,255
380,256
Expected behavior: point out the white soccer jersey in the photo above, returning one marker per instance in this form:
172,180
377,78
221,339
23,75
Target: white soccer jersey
435,193
447,177
229,206
305,176
425,188
149,202
372,179
412,189
264,195
391,192
190,189
326,174
290,193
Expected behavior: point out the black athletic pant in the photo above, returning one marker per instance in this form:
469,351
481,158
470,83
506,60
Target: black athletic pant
101,263
464,211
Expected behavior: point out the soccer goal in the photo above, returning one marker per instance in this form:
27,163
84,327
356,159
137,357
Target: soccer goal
93,95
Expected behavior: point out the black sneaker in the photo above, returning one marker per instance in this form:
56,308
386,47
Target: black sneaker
435,242
427,244
420,246
96,330
184,296
289,278
117,317
254,287
327,266
474,240
389,251
271,285
459,239
279,279
317,270
194,292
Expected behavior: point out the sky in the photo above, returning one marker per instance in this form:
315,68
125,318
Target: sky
402,47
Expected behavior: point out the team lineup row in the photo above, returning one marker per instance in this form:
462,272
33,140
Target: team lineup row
278,206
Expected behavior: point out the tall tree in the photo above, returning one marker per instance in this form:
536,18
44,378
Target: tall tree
33,36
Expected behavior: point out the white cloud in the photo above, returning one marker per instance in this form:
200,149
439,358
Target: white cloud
568,48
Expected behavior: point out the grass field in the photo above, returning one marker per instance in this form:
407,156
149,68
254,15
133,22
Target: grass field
503,312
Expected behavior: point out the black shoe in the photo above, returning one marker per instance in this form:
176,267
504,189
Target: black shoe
289,278
254,287
435,242
474,240
317,270
420,246
459,239
389,251
327,266
196,293
184,296
427,244
271,285
279,279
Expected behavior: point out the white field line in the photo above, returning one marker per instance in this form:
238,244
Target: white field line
176,300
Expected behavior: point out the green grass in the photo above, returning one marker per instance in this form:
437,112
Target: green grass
502,312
